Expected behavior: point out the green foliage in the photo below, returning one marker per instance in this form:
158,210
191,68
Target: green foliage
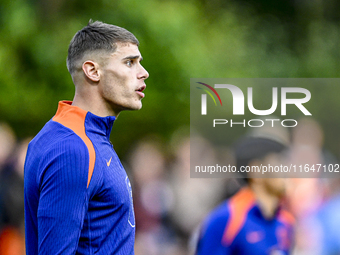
179,40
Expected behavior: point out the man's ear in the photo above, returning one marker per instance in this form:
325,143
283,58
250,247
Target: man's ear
91,70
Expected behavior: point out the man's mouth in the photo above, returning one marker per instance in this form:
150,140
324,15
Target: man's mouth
140,91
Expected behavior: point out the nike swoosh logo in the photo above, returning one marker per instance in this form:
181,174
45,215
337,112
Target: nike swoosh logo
108,162
255,236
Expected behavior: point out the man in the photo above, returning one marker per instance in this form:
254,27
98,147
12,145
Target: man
77,195
252,221
319,230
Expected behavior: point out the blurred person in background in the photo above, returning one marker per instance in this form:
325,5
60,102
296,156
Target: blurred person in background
306,196
7,144
153,198
193,197
12,236
320,230
252,221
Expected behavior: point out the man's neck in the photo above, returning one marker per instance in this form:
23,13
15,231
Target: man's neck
267,202
90,102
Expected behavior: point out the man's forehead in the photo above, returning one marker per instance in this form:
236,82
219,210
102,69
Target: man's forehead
126,49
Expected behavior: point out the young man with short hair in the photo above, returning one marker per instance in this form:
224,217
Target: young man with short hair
78,198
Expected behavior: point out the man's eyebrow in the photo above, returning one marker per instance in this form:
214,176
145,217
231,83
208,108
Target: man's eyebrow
133,57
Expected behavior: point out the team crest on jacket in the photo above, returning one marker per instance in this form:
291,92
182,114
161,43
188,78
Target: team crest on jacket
131,218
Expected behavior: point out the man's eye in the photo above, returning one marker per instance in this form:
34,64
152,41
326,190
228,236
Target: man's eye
129,63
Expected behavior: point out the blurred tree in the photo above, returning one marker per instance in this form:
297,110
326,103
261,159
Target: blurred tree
179,40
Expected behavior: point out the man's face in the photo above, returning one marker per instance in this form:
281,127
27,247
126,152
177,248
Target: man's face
274,186
122,78
271,182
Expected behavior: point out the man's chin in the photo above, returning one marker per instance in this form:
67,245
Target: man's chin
134,107
139,106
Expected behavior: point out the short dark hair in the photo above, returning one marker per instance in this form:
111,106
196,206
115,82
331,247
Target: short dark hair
96,36
249,148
